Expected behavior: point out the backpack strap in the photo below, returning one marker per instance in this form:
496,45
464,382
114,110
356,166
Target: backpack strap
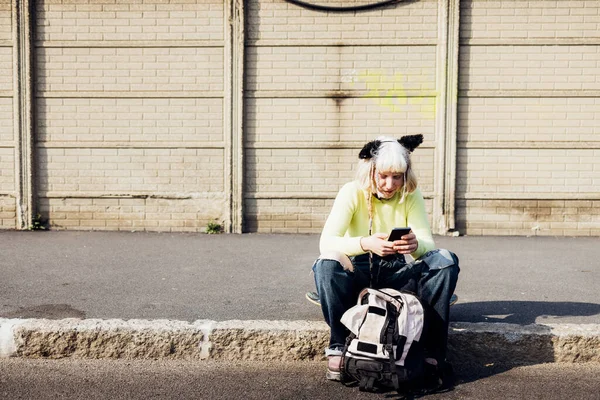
389,340
345,377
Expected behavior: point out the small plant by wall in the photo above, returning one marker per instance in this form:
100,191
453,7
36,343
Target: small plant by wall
214,228
39,223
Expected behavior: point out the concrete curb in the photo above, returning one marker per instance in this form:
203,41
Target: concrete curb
275,340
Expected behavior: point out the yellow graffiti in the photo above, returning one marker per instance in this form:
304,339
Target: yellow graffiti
390,92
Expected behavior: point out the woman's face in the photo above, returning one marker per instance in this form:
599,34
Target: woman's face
388,183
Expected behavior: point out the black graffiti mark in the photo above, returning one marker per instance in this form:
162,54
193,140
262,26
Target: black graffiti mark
318,7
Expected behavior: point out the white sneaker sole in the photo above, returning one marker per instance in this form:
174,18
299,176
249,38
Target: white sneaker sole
333,376
314,300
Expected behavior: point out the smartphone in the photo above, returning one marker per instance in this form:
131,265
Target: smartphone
397,233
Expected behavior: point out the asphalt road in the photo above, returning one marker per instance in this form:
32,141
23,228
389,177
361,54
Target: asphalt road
99,379
188,277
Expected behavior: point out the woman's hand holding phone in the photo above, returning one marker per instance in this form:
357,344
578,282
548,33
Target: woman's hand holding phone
400,240
403,242
377,244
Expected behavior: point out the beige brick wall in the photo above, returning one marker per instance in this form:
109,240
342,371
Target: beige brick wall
531,217
337,120
306,172
378,70
93,20
8,215
165,121
276,20
532,19
515,120
8,212
561,67
280,180
528,137
6,69
7,170
286,215
7,136
5,20
529,172
111,172
318,86
298,172
132,214
130,69
129,101
290,215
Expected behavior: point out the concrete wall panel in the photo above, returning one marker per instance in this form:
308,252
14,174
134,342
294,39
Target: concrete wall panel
131,121
8,212
321,84
306,172
7,135
111,172
8,199
548,19
526,172
530,67
130,69
130,114
138,213
528,138
7,170
291,215
523,217
133,100
6,32
147,20
337,120
378,70
6,69
277,20
519,120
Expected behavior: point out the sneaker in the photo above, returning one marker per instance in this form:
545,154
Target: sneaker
313,297
453,299
334,368
438,378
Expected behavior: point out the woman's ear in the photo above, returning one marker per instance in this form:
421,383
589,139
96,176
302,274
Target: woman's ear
411,142
369,150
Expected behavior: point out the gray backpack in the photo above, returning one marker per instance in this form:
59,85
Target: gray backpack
383,349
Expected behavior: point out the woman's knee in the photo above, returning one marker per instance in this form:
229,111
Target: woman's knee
453,270
442,267
440,259
340,257
325,267
450,272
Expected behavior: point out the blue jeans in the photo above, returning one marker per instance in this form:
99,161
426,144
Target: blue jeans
432,277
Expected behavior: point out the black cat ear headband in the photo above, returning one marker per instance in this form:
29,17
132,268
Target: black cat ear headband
370,149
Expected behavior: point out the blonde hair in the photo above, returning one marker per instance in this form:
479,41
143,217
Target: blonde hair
390,156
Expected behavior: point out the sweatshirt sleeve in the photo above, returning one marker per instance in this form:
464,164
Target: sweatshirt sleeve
333,236
418,221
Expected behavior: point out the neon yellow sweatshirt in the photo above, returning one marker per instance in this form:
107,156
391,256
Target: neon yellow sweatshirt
349,220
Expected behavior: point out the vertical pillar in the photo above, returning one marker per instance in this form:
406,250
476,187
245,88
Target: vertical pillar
233,113
23,109
451,114
446,116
